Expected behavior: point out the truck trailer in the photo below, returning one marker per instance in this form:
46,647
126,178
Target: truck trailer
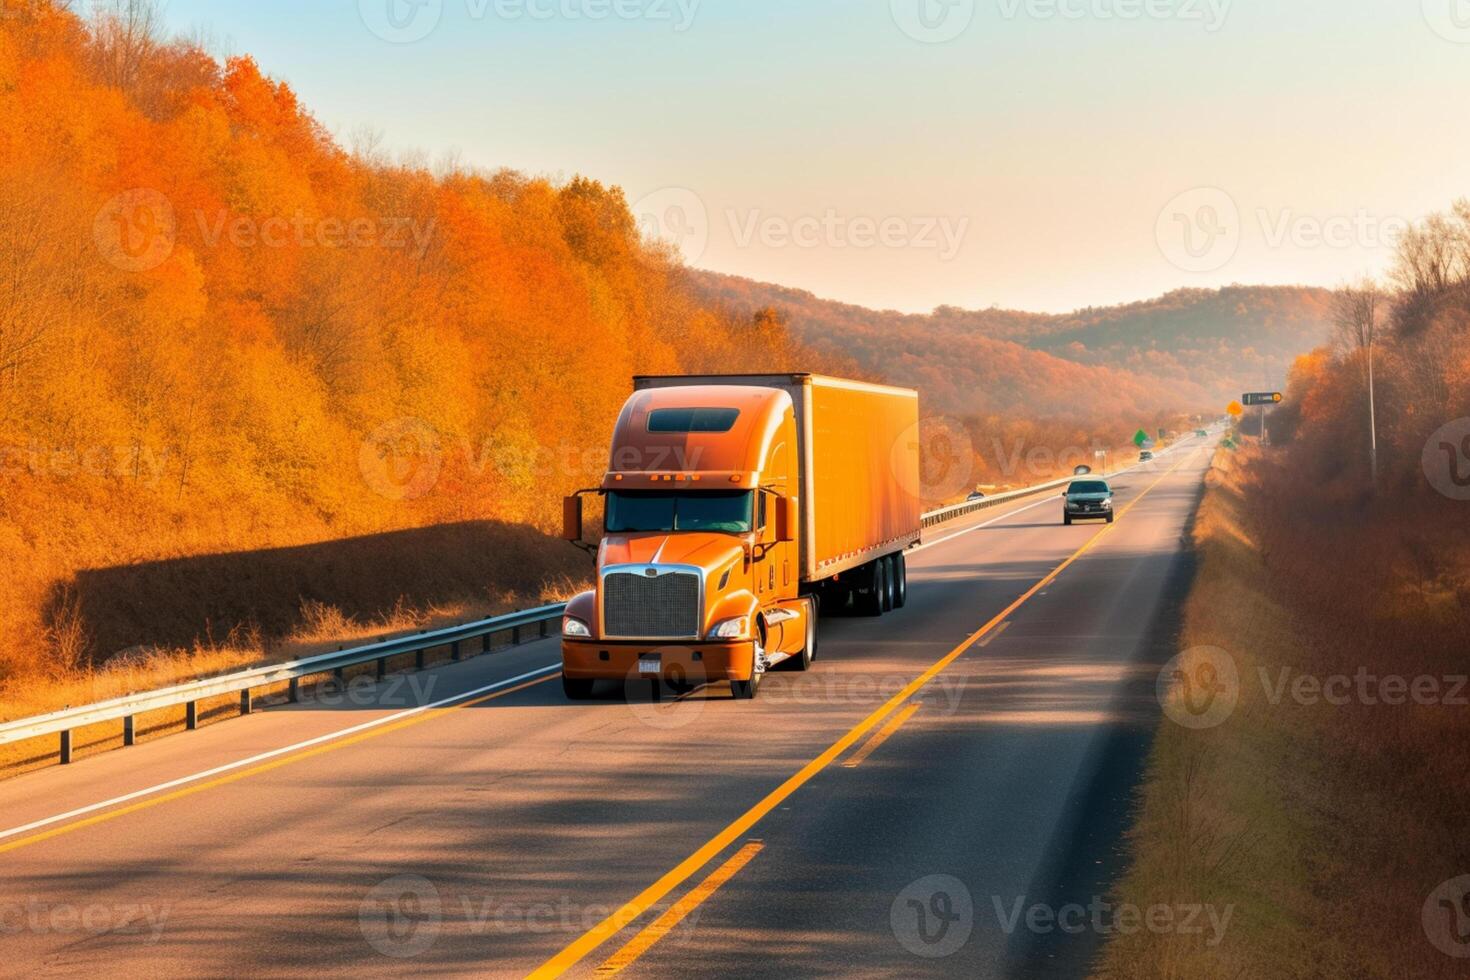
736,509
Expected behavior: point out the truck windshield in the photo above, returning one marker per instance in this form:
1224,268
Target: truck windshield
725,512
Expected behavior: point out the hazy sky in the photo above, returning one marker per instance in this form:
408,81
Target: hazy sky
1037,154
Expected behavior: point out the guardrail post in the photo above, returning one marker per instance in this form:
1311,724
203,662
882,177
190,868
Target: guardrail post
293,690
485,643
418,660
245,703
66,748
382,667
542,625
515,637
191,715
454,651
130,731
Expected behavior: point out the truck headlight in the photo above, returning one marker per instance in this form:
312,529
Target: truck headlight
730,629
571,626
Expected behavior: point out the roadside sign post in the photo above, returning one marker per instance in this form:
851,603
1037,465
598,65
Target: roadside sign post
1263,399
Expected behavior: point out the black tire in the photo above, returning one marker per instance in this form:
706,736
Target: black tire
747,690
1067,519
577,689
803,660
1110,518
872,601
890,584
900,581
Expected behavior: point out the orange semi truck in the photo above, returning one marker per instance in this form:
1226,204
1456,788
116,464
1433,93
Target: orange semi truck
735,508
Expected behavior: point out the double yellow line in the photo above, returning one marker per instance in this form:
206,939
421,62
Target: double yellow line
686,869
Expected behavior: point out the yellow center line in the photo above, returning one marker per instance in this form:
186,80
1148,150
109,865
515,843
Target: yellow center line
883,734
579,949
995,632
285,760
667,922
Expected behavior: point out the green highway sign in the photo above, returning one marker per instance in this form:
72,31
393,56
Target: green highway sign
1141,438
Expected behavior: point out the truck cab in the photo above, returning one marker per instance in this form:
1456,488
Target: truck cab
698,575
733,508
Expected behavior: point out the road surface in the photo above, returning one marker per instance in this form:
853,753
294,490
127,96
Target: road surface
896,811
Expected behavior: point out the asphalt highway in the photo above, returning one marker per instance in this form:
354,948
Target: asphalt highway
894,812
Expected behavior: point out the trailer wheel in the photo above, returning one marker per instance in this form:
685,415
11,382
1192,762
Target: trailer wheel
871,600
576,689
890,584
900,581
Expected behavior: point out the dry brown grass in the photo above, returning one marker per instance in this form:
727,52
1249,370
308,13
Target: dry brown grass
324,628
1325,827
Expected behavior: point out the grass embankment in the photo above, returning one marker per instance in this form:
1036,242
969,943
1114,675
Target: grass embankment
1326,824
142,625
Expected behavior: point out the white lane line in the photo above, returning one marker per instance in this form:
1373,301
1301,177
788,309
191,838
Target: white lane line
264,756
994,520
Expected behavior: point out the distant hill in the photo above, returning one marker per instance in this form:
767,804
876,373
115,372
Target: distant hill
1193,349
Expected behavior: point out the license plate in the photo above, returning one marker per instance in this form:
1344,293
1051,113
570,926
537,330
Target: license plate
646,666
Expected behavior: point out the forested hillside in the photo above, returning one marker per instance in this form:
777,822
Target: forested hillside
221,331
1191,348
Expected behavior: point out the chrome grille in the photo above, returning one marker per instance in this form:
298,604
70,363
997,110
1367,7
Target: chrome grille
636,605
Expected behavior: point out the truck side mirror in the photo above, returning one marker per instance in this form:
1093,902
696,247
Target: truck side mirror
785,519
571,519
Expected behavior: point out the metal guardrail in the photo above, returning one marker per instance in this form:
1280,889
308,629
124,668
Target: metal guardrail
127,708
947,514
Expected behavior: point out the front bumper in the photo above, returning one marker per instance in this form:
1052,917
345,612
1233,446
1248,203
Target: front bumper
689,663
1098,513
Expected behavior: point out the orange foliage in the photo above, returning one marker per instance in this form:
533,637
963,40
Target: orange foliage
220,331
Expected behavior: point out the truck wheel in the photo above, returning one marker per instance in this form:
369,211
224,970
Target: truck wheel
747,690
890,584
871,602
900,581
575,689
803,660
1067,519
